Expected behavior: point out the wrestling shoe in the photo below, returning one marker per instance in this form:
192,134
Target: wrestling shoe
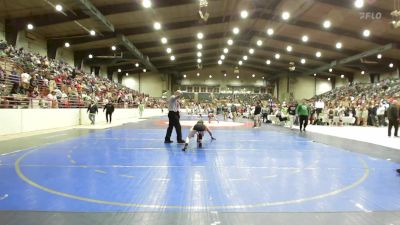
200,145
168,142
181,142
185,147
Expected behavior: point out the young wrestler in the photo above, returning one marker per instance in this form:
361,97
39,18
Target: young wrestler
198,129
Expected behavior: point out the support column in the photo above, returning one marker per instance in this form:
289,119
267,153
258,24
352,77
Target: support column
333,82
109,73
52,47
11,33
78,60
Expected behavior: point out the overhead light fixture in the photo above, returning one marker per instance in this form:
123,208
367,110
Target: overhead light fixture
198,60
199,54
285,15
277,56
164,40
259,42
391,65
315,74
253,75
362,72
90,56
330,70
146,4
270,31
366,33
329,78
318,54
137,64
126,74
236,30
198,74
289,48
93,33
224,74
379,56
199,46
230,42
237,77
172,58
304,38
59,7
30,26
119,70
222,57
226,50
210,76
359,4
240,62
144,70
200,35
245,57
268,62
251,51
219,62
67,45
303,61
263,78
168,50
184,75
113,48
157,26
342,76
339,45
244,14
327,24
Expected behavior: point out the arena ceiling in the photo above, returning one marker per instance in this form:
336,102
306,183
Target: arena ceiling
180,23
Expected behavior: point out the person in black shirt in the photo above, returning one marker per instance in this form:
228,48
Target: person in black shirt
257,115
109,108
393,117
92,110
198,129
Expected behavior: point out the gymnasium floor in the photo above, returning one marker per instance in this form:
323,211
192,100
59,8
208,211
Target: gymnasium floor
127,175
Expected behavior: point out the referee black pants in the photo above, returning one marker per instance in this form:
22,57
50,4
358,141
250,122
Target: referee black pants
173,118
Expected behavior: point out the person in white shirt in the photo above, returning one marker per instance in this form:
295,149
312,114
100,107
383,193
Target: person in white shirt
319,106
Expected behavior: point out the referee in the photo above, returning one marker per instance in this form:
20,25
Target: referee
173,116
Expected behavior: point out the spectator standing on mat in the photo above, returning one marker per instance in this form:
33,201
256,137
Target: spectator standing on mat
303,111
393,116
92,110
257,116
109,108
173,117
141,109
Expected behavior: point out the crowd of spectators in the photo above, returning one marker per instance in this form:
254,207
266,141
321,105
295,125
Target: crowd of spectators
356,104
55,84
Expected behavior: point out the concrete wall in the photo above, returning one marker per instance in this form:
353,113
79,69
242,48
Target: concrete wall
218,78
362,78
2,30
28,120
66,54
340,82
32,42
323,86
147,83
303,87
394,74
